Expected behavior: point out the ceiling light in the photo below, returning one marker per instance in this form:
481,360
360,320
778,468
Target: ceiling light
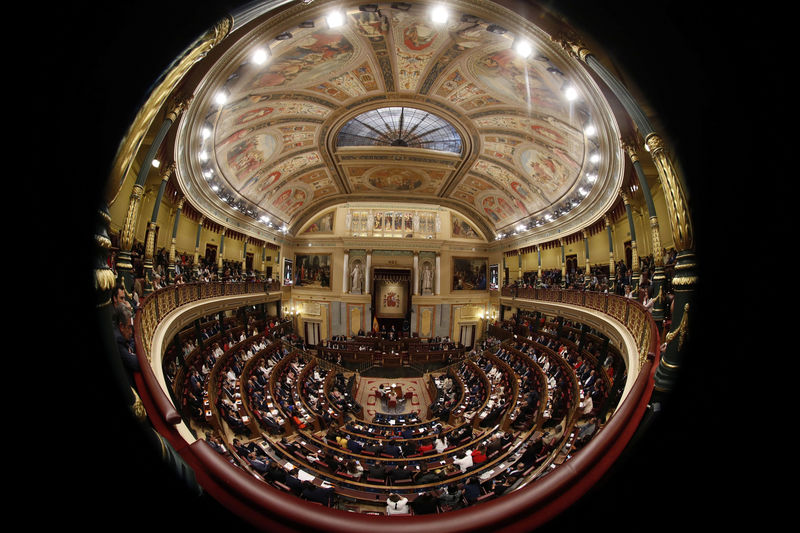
582,191
221,98
260,56
590,130
203,156
523,48
156,163
591,177
207,174
520,228
264,218
594,158
335,19
215,188
570,93
439,14
206,133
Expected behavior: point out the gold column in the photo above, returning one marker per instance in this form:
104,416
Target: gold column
149,248
160,95
674,195
131,218
197,244
219,255
586,251
539,261
563,265
634,250
611,268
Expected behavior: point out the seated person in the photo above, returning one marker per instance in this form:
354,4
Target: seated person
317,494
396,504
472,489
424,504
479,455
377,471
451,498
400,473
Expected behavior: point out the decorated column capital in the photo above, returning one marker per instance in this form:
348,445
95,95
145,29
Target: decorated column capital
630,149
178,107
572,45
166,174
626,199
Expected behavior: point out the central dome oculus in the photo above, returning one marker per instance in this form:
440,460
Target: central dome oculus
400,126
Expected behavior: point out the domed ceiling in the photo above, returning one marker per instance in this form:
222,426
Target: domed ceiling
481,113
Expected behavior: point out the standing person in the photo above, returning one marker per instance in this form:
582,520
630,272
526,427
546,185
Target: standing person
123,334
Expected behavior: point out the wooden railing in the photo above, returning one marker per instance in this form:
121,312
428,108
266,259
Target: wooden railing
629,312
530,507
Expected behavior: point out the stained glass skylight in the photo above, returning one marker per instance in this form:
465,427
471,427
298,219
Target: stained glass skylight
400,126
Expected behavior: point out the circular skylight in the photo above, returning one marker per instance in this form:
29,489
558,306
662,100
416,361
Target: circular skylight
400,126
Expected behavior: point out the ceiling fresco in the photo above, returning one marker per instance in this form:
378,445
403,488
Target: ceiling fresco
270,147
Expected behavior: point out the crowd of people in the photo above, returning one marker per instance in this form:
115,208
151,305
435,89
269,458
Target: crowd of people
598,279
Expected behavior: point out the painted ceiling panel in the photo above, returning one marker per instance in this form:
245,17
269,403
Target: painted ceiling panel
314,121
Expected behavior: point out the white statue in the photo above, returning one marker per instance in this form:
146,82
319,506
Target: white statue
427,278
355,284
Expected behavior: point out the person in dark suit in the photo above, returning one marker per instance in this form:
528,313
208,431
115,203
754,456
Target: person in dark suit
317,494
400,473
392,449
123,334
377,471
409,448
424,504
472,489
354,445
275,472
425,476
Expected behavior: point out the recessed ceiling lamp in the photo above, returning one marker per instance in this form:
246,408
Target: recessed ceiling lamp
156,163
205,133
583,191
220,98
523,48
590,130
591,177
520,228
215,188
203,156
335,19
594,158
260,56
439,14
570,93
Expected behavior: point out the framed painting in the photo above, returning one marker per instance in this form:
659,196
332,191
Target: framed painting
470,273
312,270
